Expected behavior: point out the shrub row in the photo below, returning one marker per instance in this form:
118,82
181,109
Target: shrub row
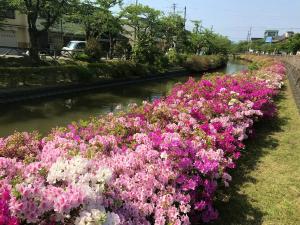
160,163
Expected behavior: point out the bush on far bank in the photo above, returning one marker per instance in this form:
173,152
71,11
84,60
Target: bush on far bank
202,63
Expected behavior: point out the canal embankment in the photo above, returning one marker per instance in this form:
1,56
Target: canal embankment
25,83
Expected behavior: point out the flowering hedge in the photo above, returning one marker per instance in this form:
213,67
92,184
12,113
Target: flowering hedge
160,163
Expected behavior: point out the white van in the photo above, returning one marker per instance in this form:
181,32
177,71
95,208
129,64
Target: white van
73,47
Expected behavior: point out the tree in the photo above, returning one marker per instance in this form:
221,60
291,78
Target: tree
293,44
196,39
207,41
145,25
93,15
112,29
219,45
197,26
173,32
98,20
3,7
48,11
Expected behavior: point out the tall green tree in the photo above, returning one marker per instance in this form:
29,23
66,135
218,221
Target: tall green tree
207,41
112,29
239,47
219,45
94,15
293,44
173,32
47,11
196,39
197,26
98,20
144,25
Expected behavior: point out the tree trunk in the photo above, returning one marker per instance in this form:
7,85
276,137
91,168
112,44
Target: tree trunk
87,34
111,47
34,48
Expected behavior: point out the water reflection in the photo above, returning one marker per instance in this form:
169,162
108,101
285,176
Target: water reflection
42,115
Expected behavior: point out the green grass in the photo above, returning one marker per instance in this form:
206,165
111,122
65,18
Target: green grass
266,184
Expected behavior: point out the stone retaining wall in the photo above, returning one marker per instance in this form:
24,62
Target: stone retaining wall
293,72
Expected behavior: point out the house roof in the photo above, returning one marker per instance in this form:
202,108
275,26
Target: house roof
271,31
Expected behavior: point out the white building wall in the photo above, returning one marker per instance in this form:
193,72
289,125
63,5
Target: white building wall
14,32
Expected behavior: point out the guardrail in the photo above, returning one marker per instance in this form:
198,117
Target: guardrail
4,51
54,54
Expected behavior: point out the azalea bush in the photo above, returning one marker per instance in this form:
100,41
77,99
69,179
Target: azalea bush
159,163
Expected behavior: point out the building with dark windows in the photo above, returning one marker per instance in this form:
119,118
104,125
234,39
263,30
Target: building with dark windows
13,32
271,33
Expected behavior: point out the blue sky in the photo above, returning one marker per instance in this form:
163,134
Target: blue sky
233,18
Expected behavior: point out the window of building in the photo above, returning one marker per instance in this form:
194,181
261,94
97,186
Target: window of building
8,14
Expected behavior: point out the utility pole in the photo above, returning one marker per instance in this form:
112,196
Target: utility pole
184,17
250,35
174,8
135,31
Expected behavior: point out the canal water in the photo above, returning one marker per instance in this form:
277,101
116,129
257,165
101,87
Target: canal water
44,114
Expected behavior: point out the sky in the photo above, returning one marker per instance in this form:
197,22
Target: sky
233,18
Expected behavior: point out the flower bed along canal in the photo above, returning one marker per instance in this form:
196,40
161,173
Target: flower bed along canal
45,114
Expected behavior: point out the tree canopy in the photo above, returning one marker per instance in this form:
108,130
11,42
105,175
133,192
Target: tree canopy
47,11
152,33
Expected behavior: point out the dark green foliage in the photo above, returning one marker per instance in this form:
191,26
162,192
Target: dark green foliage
290,45
82,57
3,6
176,58
93,49
254,66
22,62
161,62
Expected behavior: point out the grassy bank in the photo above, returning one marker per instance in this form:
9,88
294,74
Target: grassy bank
266,186
65,74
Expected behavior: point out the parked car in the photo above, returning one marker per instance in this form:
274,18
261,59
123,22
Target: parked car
73,47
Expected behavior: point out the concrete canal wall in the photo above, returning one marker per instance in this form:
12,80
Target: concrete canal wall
293,72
